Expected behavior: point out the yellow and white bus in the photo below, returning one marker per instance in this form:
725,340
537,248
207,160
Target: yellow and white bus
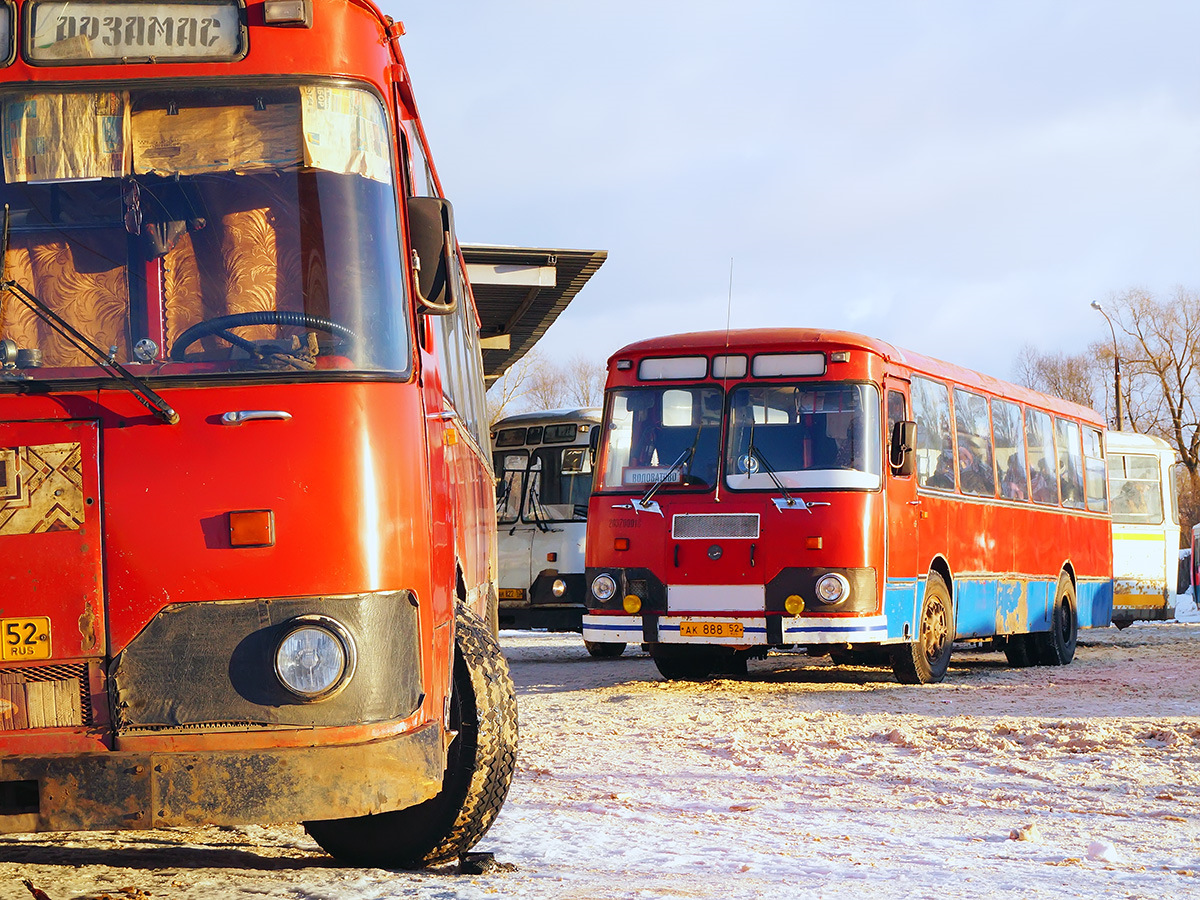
1145,524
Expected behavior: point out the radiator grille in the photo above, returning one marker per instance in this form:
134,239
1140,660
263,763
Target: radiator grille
45,697
714,525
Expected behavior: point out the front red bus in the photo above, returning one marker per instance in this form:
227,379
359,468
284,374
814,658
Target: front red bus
246,514
793,487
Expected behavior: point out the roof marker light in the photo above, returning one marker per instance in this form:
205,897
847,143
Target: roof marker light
288,12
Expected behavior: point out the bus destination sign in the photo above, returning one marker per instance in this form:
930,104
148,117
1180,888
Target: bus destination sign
62,33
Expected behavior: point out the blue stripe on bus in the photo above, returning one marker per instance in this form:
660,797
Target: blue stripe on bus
873,630
998,605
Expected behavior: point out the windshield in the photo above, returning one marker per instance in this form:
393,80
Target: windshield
192,232
1136,489
510,484
560,480
669,435
808,435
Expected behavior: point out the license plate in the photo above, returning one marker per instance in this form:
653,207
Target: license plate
711,629
512,593
22,639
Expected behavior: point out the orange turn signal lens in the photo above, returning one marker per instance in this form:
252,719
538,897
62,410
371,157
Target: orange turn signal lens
252,528
794,605
551,557
632,604
813,543
621,544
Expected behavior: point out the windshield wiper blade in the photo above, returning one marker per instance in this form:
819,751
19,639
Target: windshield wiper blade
754,453
683,457
144,394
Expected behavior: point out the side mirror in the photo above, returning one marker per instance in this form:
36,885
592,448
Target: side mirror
593,444
434,261
900,454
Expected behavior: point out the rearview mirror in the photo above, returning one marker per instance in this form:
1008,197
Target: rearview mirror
434,258
904,441
593,444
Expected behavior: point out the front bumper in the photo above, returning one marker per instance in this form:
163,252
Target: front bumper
769,630
126,790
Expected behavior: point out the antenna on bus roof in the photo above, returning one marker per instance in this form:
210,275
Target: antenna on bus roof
725,365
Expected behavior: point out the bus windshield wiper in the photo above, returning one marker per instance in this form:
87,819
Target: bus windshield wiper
754,453
683,458
144,394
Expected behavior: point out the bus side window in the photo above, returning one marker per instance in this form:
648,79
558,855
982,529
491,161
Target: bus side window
1093,457
1009,438
976,474
935,443
1070,463
1039,443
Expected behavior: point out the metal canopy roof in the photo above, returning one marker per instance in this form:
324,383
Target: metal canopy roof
519,292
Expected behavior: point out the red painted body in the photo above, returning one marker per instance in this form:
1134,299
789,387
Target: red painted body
375,483
996,554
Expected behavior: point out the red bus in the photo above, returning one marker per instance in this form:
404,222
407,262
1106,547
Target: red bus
794,487
246,512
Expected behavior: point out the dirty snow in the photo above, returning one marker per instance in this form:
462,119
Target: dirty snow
801,780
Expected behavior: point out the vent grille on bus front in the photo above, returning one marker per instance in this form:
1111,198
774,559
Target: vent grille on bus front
714,525
54,696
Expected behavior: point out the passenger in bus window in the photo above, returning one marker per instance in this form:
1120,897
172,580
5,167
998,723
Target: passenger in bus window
943,473
1012,484
1043,486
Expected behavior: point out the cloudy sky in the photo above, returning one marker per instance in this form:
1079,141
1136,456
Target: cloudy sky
959,178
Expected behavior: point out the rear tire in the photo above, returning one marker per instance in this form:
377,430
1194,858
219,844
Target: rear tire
1056,647
604,649
926,660
479,770
1020,651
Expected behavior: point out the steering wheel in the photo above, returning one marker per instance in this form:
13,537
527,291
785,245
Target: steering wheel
261,317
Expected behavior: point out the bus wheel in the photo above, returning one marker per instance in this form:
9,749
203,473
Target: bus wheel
1056,647
479,770
1020,651
604,649
683,662
926,660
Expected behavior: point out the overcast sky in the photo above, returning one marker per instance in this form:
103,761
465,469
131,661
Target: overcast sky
959,178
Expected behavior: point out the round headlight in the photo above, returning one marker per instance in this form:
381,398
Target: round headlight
558,588
832,587
315,658
603,587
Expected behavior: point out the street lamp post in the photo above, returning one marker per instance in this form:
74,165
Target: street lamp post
1116,359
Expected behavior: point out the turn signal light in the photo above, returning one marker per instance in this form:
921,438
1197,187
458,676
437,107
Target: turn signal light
813,543
632,604
794,604
621,544
252,528
288,12
551,557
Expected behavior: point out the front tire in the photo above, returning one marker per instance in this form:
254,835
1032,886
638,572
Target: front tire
926,660
604,649
1056,647
479,770
685,662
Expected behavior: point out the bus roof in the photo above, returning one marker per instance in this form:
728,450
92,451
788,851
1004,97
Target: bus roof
751,339
588,414
1120,441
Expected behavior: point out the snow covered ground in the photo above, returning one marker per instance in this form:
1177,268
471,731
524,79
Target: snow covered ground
801,780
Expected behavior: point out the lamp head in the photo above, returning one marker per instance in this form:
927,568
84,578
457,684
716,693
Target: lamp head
1096,305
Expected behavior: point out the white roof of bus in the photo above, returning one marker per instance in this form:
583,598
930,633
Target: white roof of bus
588,414
1127,441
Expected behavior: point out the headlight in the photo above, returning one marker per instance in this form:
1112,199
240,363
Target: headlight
603,587
315,658
558,588
832,587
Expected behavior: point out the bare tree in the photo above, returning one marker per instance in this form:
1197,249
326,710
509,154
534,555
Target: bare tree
1159,345
1071,377
584,381
506,395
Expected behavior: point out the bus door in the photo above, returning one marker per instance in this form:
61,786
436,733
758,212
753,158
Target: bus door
560,481
516,537
901,588
49,510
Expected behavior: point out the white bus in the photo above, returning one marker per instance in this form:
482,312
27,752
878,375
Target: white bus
543,481
1146,533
